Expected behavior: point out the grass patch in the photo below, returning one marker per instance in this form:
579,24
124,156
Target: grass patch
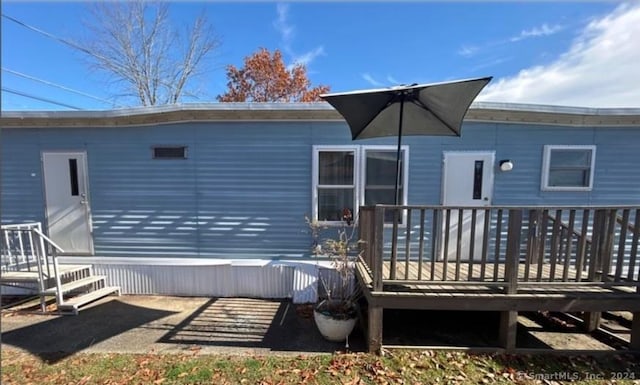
189,373
397,367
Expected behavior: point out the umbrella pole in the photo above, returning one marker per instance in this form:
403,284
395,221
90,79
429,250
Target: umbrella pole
398,171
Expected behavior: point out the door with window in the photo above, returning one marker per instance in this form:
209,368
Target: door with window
467,182
67,200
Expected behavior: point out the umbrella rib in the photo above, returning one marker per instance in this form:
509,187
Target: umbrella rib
419,102
390,102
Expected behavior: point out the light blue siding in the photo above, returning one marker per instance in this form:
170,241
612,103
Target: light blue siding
21,196
245,187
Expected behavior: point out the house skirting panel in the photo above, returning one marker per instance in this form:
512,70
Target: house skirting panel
297,280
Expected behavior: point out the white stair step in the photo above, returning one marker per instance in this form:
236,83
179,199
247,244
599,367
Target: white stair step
19,276
67,287
74,303
32,275
67,269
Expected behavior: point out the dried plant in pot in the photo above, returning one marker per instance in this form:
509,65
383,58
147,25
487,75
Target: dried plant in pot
336,312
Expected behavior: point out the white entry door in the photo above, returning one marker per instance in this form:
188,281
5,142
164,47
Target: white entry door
467,182
67,205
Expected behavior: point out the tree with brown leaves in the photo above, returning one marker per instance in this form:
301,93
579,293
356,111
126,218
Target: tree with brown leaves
265,78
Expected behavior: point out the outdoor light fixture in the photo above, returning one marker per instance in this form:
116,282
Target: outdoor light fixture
506,165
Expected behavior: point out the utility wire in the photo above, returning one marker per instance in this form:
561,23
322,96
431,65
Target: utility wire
47,34
54,37
16,92
59,86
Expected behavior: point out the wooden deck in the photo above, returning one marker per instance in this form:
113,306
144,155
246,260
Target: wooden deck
526,259
469,294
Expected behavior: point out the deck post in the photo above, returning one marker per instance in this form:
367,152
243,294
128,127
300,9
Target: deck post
378,250
591,320
374,339
512,257
635,332
508,330
509,319
634,344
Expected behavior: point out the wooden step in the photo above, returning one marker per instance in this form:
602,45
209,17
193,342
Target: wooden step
73,304
67,287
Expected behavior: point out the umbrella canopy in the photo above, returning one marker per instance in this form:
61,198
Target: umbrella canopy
428,109
420,109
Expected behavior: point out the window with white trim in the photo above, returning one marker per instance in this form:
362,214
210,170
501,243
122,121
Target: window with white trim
345,177
568,168
336,183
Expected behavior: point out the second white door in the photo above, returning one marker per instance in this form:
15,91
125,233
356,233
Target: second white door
467,182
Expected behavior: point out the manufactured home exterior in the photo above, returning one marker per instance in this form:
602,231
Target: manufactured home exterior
211,199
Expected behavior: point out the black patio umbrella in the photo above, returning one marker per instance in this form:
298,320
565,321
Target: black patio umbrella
419,109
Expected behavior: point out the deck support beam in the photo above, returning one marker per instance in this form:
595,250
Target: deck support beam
374,338
508,330
635,332
591,320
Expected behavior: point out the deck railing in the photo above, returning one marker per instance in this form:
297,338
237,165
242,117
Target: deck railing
25,248
508,247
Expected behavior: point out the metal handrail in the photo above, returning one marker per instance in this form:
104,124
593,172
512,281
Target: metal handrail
54,256
38,250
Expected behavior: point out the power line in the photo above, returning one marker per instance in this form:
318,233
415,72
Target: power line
20,93
59,86
47,34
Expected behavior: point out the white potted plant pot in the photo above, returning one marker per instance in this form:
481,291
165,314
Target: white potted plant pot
334,327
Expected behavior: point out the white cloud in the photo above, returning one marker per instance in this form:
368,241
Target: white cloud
600,69
308,57
282,25
389,80
489,63
543,30
371,80
287,32
468,51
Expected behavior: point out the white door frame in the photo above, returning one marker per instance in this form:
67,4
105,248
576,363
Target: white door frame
84,185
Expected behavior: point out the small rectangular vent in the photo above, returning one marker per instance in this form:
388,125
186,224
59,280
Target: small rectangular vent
170,152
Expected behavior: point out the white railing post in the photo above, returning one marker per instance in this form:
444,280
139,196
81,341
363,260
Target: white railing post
59,298
36,252
54,256
24,257
46,256
8,244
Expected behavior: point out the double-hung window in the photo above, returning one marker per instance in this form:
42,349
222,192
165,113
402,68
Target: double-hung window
568,168
335,182
345,177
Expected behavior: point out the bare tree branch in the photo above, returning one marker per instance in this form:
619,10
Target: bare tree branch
134,43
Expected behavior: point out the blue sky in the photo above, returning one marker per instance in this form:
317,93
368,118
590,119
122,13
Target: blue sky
570,53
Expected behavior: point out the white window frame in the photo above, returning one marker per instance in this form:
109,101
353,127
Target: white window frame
316,176
360,165
546,162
